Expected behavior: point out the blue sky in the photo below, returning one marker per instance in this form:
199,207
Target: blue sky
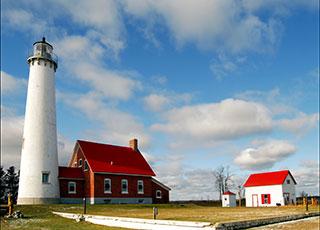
200,83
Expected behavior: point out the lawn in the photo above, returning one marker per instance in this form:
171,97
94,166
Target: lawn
40,216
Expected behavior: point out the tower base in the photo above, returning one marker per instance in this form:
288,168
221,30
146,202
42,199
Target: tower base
37,200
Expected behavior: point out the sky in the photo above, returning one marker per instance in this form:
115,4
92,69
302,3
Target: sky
201,84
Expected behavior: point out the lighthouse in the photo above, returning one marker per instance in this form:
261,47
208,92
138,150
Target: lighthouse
39,158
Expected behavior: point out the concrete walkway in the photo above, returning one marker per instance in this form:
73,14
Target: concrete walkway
136,223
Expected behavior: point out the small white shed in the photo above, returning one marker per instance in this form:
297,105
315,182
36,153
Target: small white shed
229,199
270,189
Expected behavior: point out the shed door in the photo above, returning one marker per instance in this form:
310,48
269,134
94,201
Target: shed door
255,200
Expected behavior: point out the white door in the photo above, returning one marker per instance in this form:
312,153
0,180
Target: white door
255,200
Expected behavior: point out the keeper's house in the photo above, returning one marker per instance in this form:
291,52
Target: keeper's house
270,189
110,174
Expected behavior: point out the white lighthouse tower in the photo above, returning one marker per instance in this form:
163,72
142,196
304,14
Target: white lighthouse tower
39,158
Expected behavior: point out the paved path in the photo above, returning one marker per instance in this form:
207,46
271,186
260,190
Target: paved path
312,223
136,223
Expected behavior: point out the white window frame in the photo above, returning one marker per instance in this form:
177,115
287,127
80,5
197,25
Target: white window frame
86,165
80,162
45,182
104,185
140,182
75,187
158,197
124,191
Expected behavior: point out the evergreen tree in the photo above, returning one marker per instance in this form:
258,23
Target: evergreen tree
12,182
2,185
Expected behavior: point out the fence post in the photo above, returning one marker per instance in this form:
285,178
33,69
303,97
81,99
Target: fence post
10,204
155,212
307,208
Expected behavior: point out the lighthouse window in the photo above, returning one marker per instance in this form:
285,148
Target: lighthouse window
45,177
80,162
72,187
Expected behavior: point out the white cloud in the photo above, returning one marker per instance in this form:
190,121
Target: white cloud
11,137
265,155
11,140
102,20
307,177
115,126
10,84
225,120
65,149
220,25
224,65
82,58
23,20
300,124
156,102
186,183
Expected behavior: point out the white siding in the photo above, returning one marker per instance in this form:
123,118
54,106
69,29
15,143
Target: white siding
39,149
275,192
229,201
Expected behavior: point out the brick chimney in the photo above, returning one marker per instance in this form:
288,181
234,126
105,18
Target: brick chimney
133,143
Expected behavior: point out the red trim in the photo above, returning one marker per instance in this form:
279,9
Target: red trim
269,198
262,198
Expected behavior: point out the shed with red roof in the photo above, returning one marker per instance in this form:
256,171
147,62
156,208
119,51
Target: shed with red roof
106,173
229,199
270,189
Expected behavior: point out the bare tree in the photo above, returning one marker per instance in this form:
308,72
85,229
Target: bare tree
240,192
223,179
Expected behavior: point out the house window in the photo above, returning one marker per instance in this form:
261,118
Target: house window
140,187
80,162
45,177
124,186
86,166
107,185
265,199
288,181
158,194
72,187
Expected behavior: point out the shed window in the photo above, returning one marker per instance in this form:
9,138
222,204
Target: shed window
158,194
80,162
288,181
140,187
107,185
265,199
86,166
124,186
72,187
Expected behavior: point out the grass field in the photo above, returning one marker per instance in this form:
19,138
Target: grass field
40,216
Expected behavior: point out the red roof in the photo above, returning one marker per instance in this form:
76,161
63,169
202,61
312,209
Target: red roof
68,172
228,193
114,159
268,178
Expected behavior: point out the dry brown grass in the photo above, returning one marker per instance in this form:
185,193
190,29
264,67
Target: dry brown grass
41,217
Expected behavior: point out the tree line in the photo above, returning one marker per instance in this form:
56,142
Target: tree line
9,183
